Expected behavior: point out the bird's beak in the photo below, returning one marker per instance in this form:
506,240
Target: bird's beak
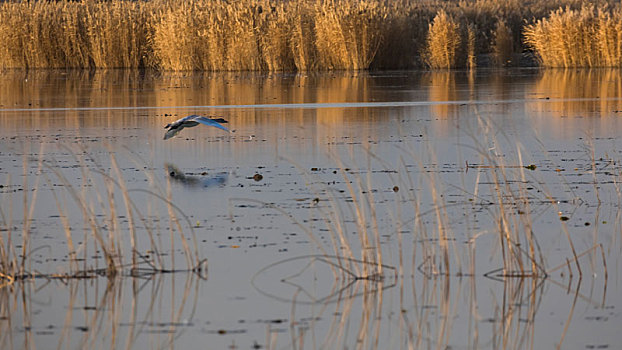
167,126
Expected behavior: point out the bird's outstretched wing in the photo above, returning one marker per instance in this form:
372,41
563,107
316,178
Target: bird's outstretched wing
171,132
211,122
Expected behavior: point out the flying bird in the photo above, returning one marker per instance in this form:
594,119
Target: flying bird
190,121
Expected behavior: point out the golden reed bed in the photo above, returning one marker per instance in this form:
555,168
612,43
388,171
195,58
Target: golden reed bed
299,35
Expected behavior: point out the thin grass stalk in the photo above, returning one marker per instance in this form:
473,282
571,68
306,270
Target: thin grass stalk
28,215
89,217
113,224
374,220
128,208
365,318
303,49
4,249
359,214
27,315
9,254
570,316
175,222
112,246
333,219
154,246
513,229
418,225
527,224
592,155
514,259
535,254
371,204
86,239
71,251
337,223
443,227
442,235
25,230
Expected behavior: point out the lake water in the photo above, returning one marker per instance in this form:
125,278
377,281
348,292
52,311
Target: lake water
344,210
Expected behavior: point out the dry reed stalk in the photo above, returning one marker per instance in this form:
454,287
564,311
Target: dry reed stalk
86,197
443,42
89,217
348,34
570,316
437,259
242,46
334,219
111,248
506,221
519,248
8,256
11,46
609,36
375,231
128,208
331,40
273,29
117,34
29,211
172,48
25,228
442,227
298,34
300,42
71,250
577,38
360,208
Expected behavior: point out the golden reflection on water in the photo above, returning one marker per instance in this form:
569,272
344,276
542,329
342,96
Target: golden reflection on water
34,92
47,100
442,87
573,93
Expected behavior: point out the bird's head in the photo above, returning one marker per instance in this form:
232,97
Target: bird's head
167,126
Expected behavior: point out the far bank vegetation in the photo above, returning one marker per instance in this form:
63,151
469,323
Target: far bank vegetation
301,35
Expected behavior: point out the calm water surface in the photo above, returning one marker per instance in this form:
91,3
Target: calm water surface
349,162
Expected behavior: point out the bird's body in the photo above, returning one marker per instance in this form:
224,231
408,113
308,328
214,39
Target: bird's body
190,121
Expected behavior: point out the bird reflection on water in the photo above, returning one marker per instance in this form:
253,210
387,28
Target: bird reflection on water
195,181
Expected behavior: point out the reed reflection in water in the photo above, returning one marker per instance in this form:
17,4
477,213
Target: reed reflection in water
163,311
128,99
594,92
142,312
